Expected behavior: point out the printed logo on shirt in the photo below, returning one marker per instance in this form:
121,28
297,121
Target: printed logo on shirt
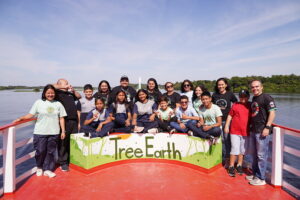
254,109
50,110
272,104
222,103
151,98
169,101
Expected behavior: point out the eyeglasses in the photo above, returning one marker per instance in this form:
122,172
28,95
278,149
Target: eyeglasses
183,102
186,85
169,86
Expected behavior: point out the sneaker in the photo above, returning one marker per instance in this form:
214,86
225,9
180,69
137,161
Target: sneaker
172,131
239,169
153,130
190,133
49,174
138,129
250,177
64,168
257,181
39,172
231,171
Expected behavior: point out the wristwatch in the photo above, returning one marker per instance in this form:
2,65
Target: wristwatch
268,127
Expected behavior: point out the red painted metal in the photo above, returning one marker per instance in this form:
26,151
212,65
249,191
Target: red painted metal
287,128
15,124
145,181
144,160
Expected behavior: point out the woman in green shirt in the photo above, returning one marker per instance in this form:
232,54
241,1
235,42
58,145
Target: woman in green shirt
49,127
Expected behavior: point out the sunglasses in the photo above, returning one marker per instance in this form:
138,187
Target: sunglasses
187,85
169,86
183,102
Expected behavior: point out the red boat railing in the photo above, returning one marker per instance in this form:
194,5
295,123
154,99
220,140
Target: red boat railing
10,162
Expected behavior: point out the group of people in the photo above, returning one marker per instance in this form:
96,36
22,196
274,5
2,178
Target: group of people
244,127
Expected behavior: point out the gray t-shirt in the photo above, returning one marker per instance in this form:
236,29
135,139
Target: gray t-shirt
190,111
85,105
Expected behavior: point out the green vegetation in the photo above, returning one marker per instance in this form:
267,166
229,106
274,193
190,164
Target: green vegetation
273,84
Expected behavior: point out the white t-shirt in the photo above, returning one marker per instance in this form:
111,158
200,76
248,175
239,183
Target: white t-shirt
209,115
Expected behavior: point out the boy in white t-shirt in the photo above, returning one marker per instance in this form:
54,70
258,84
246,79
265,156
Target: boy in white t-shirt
210,121
164,115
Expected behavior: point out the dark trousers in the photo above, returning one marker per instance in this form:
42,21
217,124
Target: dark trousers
181,130
119,123
164,125
226,143
45,148
64,145
103,132
147,125
199,132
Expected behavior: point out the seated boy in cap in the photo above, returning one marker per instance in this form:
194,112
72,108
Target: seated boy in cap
238,120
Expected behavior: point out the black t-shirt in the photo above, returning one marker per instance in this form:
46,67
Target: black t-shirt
173,99
68,100
260,108
130,93
154,96
104,97
224,101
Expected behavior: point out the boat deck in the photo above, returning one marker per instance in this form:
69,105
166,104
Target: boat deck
144,181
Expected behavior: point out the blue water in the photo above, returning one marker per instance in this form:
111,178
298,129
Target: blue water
15,104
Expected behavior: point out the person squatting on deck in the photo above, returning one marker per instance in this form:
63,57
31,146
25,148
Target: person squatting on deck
48,130
262,116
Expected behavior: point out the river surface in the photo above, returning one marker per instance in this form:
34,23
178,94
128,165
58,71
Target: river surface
15,104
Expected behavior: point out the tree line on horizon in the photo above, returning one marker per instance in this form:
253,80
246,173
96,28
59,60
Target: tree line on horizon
273,84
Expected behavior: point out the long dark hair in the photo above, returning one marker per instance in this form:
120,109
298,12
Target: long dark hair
155,82
47,87
225,81
138,92
104,81
115,103
202,87
182,85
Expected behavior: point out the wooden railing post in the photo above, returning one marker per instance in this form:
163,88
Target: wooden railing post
277,157
9,157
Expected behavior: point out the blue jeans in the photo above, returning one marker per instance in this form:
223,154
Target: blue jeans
181,130
259,148
199,132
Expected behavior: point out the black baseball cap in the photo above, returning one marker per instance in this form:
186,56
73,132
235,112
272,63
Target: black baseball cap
244,93
124,77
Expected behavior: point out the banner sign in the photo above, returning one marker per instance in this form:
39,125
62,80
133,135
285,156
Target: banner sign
92,152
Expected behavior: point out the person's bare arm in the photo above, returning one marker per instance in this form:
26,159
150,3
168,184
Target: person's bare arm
271,118
227,124
28,116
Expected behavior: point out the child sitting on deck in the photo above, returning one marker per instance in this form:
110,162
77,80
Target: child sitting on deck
238,120
185,115
164,114
210,121
98,122
120,113
85,105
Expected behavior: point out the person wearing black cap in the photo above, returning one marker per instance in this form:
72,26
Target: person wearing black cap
238,120
124,86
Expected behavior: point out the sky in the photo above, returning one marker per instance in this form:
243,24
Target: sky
169,40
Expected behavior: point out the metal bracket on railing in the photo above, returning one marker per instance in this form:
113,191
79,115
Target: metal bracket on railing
9,158
277,157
